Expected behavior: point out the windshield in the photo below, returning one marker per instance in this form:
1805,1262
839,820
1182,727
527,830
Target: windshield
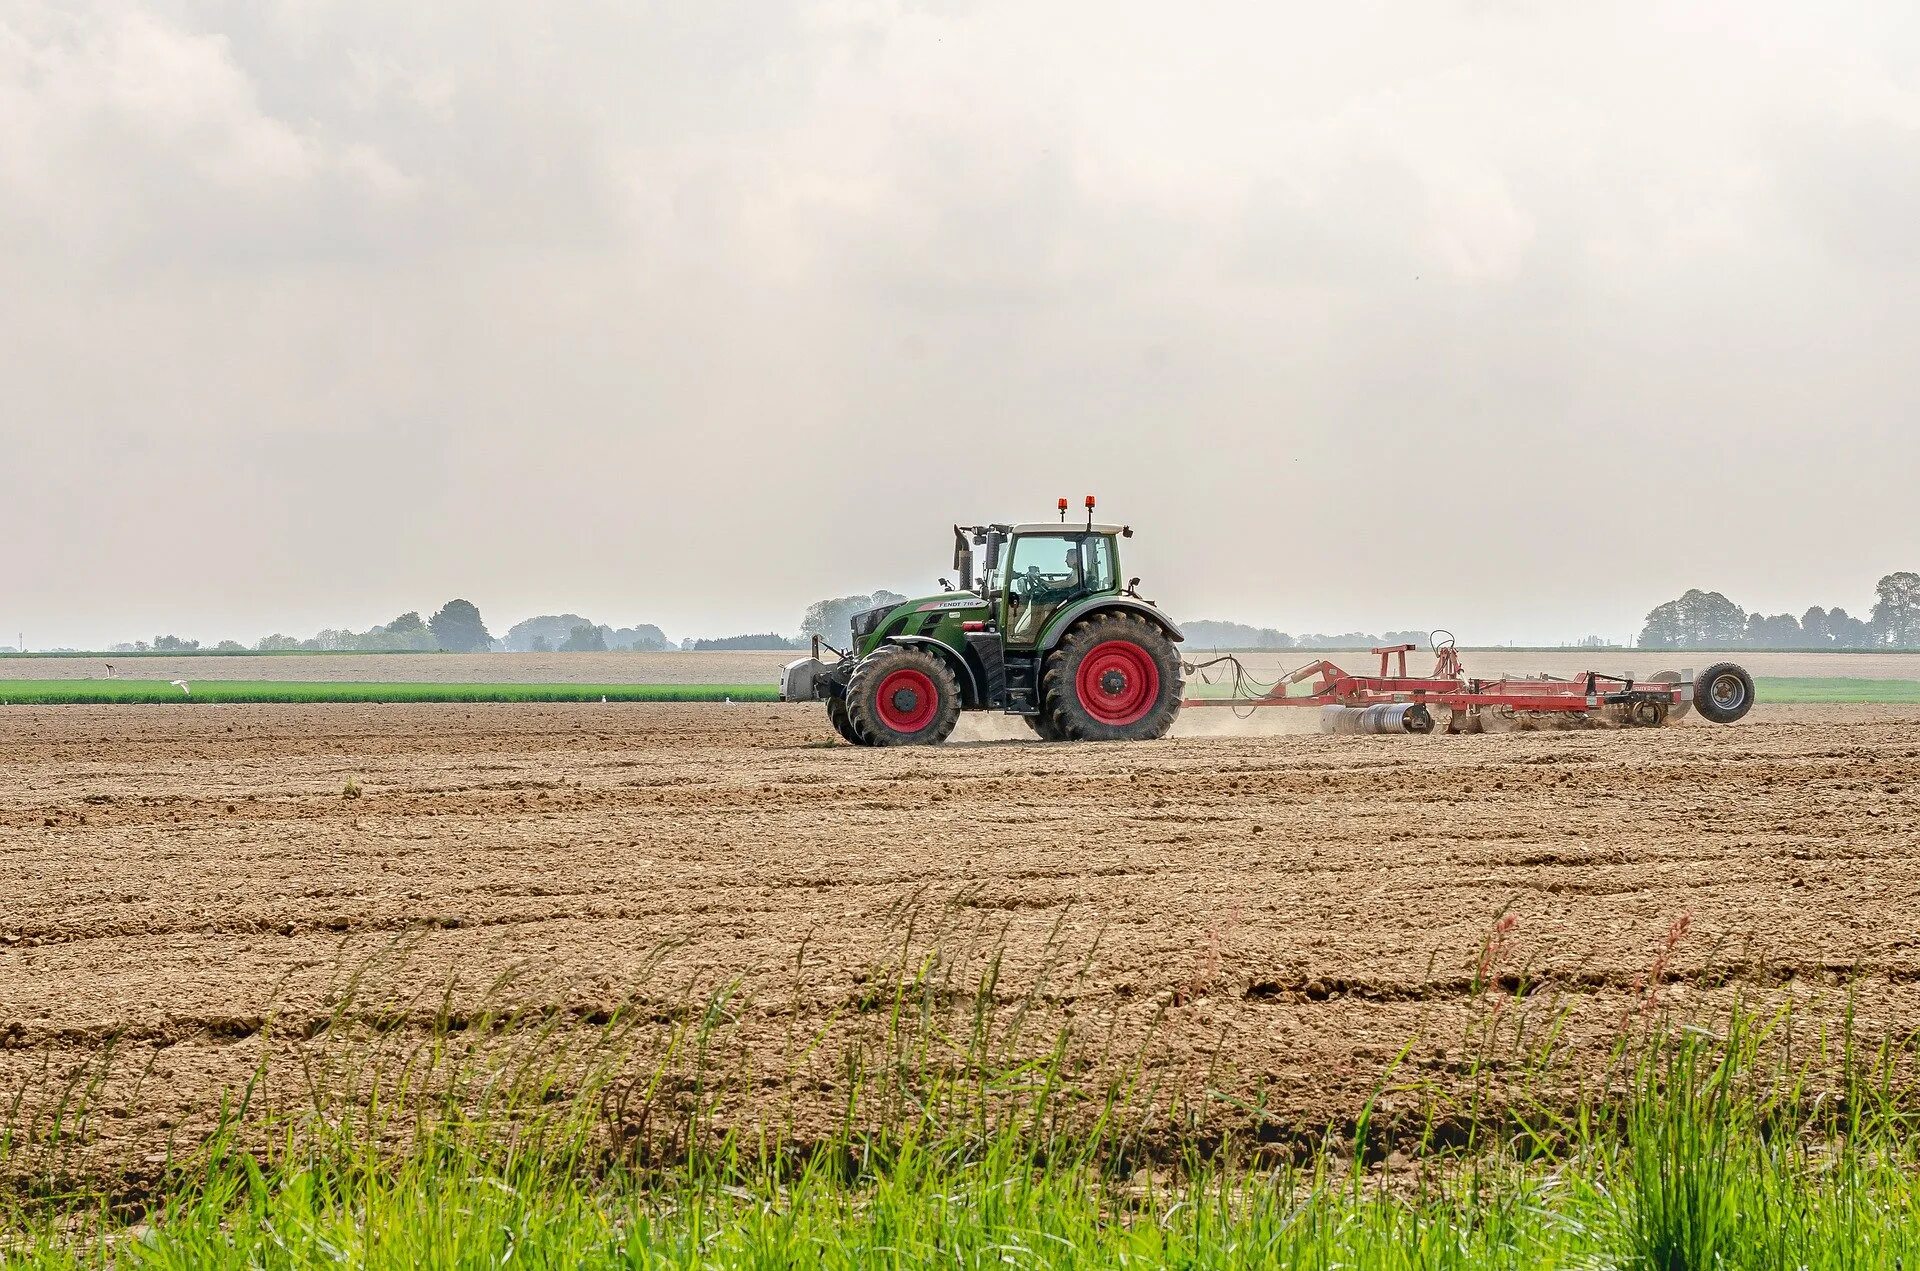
1044,571
1080,562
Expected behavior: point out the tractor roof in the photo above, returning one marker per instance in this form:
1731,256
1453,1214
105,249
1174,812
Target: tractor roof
1070,527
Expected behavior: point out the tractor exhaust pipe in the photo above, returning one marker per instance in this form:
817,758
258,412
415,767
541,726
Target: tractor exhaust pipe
1388,717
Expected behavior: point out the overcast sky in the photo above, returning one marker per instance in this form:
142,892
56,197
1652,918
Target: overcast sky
1509,317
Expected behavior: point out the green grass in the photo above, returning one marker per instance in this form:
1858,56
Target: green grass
1813,689
504,1140
103,691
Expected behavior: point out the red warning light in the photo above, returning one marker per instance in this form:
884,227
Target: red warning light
1089,500
1063,505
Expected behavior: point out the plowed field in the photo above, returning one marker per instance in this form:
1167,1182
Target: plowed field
1274,916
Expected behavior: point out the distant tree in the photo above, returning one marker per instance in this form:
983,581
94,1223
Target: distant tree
458,628
405,633
1698,620
277,643
1814,628
832,620
763,641
230,646
174,644
1848,632
585,638
1212,633
641,638
410,631
552,628
332,640
549,631
1896,610
1345,640
1781,631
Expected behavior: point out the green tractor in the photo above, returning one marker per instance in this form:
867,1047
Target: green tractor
1047,631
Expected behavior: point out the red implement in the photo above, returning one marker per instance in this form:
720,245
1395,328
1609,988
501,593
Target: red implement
1724,693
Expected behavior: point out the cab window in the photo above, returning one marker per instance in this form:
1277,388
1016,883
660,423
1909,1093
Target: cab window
1046,571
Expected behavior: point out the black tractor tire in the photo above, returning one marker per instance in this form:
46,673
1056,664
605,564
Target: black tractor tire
1723,692
902,696
1042,724
837,716
1115,677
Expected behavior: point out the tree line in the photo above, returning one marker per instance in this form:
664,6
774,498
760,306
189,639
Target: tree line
1708,620
1698,619
1211,633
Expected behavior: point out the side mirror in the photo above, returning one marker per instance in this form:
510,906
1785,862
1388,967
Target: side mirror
945,585
1133,586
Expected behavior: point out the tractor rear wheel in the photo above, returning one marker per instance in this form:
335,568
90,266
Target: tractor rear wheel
1114,677
900,696
837,716
1723,692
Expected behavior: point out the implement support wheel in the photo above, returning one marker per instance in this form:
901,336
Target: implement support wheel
1723,692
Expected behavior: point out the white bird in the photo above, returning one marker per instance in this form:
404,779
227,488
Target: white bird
182,686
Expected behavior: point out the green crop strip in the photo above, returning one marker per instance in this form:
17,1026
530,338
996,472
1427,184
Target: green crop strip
1817,690
109,692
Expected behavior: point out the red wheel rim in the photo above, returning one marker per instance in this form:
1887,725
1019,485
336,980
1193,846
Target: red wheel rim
906,700
1118,682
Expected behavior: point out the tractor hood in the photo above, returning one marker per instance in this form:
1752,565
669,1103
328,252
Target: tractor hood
919,616
944,603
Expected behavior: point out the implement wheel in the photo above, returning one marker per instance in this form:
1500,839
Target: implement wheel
837,716
1723,692
1114,678
1678,711
900,696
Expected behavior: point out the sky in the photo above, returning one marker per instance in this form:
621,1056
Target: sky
1512,318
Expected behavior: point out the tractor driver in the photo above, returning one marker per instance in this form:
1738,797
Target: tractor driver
1037,594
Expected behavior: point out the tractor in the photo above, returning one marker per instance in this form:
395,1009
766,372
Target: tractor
1046,630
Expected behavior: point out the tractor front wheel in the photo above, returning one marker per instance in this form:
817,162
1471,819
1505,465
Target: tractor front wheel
837,716
1042,724
901,696
1114,677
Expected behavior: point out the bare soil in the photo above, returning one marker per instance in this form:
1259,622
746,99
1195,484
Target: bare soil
1276,916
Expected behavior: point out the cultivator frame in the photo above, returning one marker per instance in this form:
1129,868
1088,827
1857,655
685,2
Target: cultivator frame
1393,701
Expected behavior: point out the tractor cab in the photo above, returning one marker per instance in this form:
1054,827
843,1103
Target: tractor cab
1048,568
1034,571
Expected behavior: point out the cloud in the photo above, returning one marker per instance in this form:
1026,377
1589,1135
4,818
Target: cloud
530,291
134,141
